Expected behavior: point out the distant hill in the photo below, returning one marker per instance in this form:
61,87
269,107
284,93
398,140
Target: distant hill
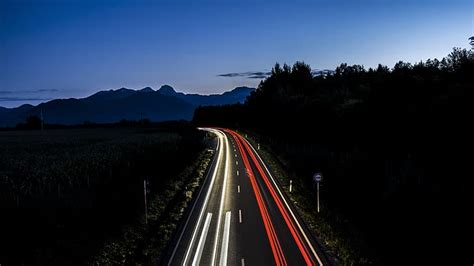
236,95
12,116
114,105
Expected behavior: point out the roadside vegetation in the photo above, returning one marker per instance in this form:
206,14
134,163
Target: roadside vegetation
329,226
144,243
67,193
390,142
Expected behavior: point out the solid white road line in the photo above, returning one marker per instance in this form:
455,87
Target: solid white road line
238,188
202,240
286,203
221,206
225,240
240,216
206,199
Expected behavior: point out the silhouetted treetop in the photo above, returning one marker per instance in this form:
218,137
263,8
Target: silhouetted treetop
291,93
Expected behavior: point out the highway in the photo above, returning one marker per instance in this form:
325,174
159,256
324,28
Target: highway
240,216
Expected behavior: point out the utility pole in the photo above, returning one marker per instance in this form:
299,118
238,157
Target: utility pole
42,123
146,209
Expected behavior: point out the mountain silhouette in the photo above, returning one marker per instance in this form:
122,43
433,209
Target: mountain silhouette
114,105
236,95
168,90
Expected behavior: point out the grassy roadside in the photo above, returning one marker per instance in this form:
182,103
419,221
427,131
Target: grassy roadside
341,248
143,244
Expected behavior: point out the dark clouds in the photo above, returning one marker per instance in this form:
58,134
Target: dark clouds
10,97
248,74
17,99
319,72
262,75
28,91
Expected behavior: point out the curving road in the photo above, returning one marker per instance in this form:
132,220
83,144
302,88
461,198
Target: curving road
241,216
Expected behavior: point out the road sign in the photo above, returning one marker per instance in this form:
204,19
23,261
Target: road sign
317,177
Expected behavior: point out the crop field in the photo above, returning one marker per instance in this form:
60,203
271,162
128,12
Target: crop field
64,192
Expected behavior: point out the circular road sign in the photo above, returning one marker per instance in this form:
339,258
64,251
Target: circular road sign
317,177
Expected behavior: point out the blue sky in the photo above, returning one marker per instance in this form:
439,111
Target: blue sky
71,48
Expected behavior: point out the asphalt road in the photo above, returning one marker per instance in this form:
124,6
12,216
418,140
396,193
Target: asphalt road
241,216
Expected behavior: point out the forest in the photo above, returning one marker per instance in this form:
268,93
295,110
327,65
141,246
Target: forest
391,144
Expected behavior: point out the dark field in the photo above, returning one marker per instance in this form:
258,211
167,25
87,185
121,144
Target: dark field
64,192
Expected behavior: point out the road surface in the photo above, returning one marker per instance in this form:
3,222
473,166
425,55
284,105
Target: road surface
241,216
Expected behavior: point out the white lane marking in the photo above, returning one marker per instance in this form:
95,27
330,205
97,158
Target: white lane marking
206,199
221,205
235,155
236,162
238,188
240,216
237,172
202,240
242,261
225,240
286,203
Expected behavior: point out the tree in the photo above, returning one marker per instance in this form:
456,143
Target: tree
301,68
402,66
457,58
383,69
33,121
276,69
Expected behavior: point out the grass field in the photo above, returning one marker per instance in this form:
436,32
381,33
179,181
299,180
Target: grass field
66,192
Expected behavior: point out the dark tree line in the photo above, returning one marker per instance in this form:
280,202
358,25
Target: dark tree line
391,142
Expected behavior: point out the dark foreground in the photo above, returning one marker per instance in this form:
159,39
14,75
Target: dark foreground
64,192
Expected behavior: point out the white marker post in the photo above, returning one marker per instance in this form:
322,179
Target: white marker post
317,178
291,185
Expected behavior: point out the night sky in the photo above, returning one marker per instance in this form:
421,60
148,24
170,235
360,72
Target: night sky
61,49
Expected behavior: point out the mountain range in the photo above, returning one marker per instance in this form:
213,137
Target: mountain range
114,105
